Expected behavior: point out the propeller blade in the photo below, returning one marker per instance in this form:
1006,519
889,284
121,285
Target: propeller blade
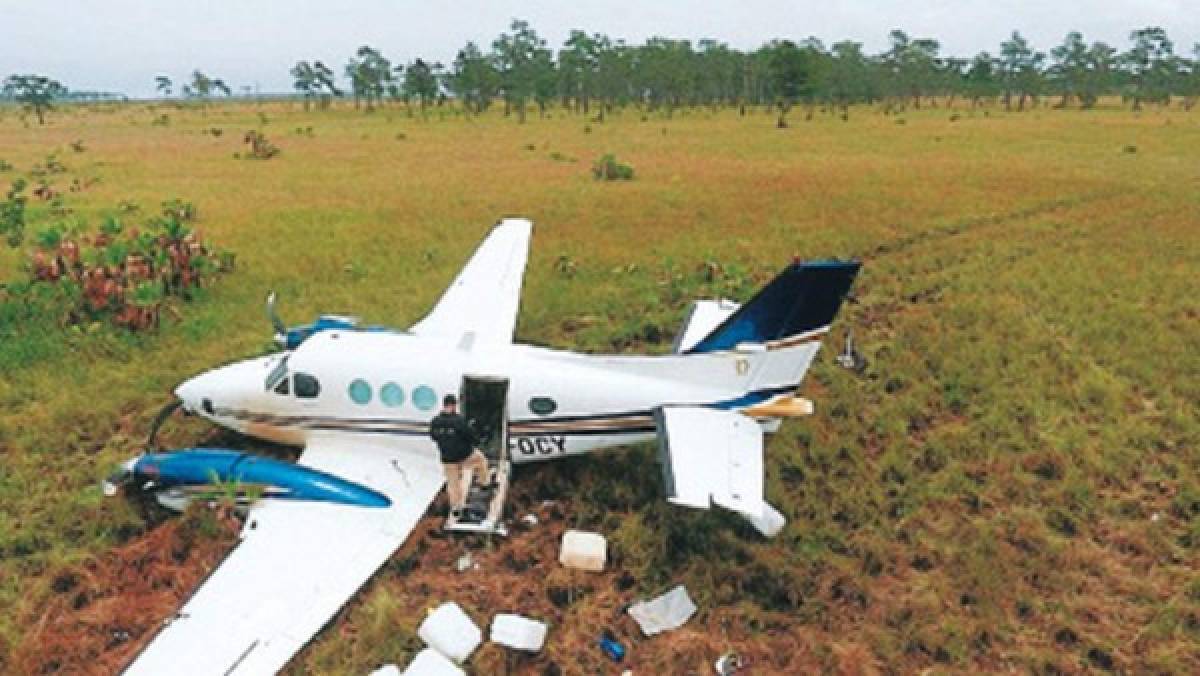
151,440
273,316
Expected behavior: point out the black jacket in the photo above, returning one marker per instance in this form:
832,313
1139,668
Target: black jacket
454,437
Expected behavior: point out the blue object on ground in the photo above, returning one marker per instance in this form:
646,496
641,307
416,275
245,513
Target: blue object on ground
611,647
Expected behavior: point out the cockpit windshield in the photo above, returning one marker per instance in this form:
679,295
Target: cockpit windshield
278,373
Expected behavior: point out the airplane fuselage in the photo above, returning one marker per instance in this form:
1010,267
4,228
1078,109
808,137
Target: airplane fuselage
388,383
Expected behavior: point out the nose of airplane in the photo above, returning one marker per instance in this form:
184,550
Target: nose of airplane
232,385
196,393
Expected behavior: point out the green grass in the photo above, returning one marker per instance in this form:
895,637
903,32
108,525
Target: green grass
1011,484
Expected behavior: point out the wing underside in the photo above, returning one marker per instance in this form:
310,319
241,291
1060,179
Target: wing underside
711,457
297,564
481,303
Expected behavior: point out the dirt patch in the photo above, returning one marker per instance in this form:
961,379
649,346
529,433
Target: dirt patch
101,612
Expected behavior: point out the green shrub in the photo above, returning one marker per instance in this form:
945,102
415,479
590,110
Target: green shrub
260,147
124,275
12,213
607,168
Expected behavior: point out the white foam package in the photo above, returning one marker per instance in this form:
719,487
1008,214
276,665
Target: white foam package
518,632
430,662
667,612
451,632
583,550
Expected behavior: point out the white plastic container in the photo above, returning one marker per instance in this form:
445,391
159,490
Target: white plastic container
387,670
771,521
451,632
664,613
430,662
583,550
518,632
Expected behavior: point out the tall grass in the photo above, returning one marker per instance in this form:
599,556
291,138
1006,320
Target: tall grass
1011,483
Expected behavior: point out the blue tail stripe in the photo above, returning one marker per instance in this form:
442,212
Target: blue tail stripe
752,398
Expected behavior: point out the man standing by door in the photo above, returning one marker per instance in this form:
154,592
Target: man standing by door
457,445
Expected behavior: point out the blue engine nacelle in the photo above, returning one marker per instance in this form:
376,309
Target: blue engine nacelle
284,480
294,335
289,338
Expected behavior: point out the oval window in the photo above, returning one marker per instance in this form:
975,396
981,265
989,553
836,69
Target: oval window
424,398
542,405
360,391
391,395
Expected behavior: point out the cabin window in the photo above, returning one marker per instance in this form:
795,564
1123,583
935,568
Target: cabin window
391,395
307,386
424,398
360,392
543,405
284,387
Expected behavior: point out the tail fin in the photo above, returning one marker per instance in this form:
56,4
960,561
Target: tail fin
804,298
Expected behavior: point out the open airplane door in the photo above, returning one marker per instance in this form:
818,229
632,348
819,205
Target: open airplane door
485,406
711,457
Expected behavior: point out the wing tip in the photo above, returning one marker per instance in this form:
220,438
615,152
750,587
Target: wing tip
515,223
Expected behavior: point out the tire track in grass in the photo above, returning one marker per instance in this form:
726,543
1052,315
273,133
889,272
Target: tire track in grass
943,267
974,223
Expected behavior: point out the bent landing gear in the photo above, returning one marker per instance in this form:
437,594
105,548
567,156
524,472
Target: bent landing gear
484,405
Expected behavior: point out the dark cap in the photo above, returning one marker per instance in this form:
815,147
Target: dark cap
449,400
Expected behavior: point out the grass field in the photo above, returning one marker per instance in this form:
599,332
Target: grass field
1011,484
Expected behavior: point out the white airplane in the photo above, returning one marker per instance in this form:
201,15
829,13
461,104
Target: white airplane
359,401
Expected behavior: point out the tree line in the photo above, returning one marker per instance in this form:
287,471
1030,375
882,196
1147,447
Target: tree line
593,74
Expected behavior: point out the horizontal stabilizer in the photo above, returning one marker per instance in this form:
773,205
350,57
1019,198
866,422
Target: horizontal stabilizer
711,456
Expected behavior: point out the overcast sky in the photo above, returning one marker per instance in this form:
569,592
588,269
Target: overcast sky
120,45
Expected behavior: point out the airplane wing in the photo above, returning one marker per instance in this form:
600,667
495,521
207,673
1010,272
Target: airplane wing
481,304
297,564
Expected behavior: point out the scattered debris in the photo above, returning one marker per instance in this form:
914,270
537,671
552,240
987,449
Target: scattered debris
386,670
463,563
851,358
667,612
430,662
449,631
771,521
520,633
728,664
530,520
611,646
583,550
